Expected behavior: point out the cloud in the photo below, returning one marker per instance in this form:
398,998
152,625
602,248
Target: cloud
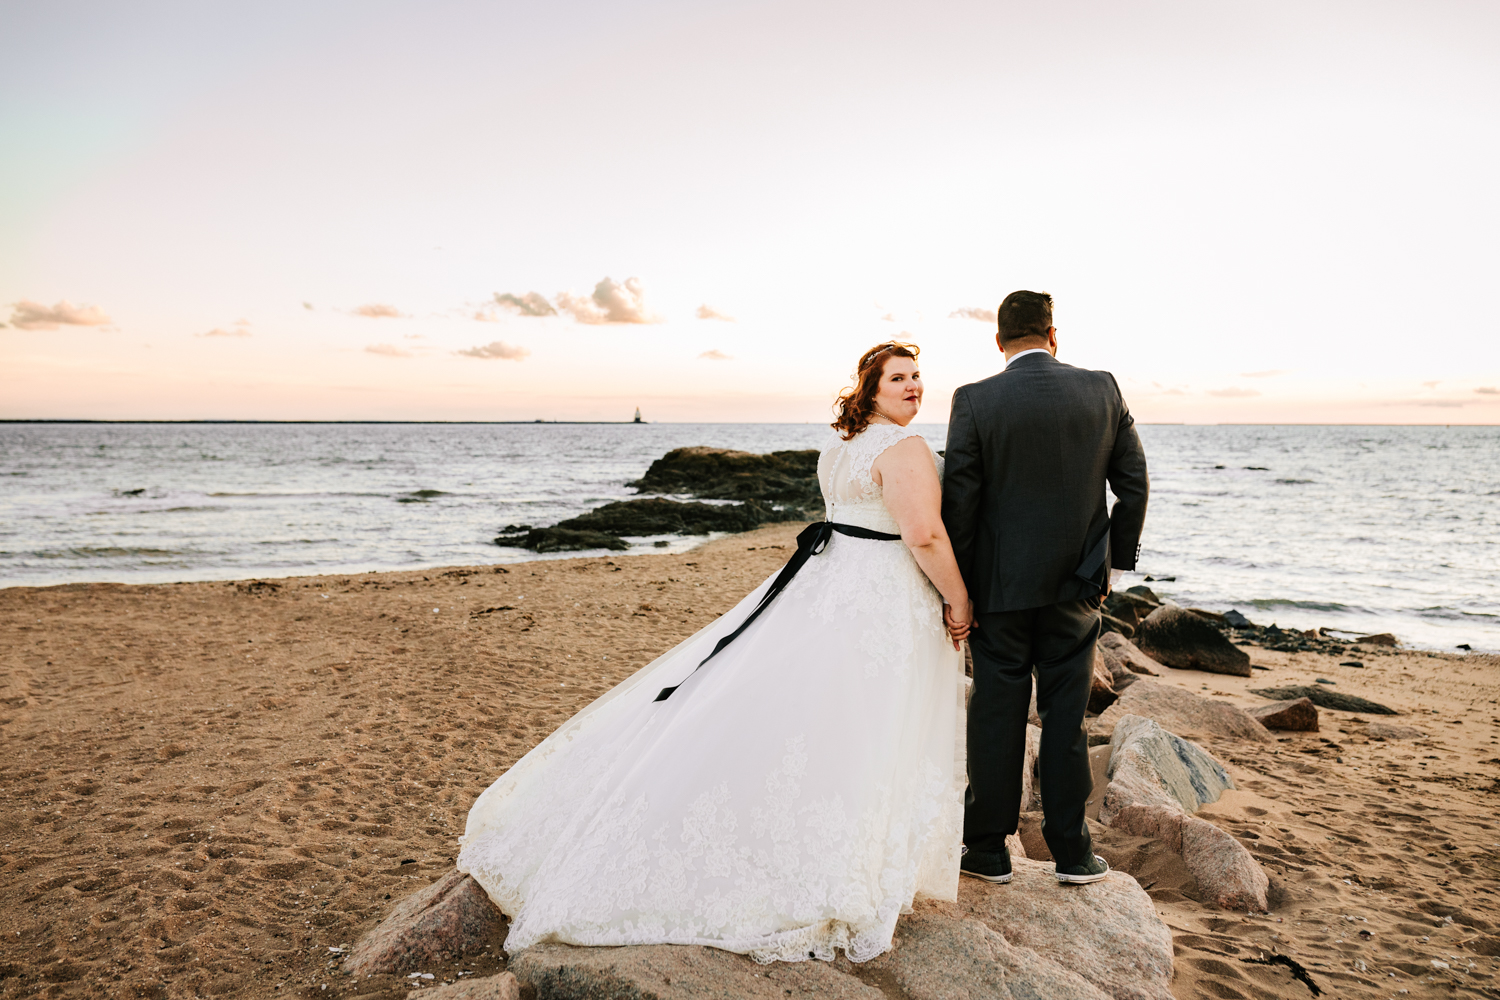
307,305
709,312
1268,373
1234,392
530,304
219,331
27,315
496,349
715,355
1446,404
973,312
1431,385
376,310
612,302
1488,390
888,318
388,350
485,316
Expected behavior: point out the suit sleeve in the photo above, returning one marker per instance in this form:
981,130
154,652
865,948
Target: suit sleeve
963,483
1131,486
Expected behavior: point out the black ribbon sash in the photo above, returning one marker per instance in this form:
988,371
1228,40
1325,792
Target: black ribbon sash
813,539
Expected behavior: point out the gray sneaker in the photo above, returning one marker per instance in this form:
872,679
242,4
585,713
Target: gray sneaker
1089,871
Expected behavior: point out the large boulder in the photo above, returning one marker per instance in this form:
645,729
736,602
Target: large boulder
1177,637
1296,715
1109,933
603,526
1125,657
1031,939
1156,779
1150,766
1324,698
1182,712
1227,874
453,916
675,972
1391,731
502,987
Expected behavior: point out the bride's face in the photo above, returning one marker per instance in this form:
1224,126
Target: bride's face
900,394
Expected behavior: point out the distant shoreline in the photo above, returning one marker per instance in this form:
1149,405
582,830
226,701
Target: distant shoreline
643,423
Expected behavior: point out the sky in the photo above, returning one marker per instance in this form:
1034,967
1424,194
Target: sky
1256,212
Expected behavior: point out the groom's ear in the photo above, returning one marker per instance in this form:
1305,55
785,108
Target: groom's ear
1052,340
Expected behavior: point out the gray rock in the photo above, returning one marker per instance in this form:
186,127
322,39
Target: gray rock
675,972
1107,933
1031,792
1227,874
1391,731
1234,619
1150,766
1180,638
502,987
1379,639
1324,698
1112,624
1183,712
1145,593
1029,940
1296,715
451,917
1128,655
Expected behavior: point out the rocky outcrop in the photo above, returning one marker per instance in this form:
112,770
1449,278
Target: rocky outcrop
451,917
1030,939
1324,698
787,478
1150,766
1182,712
603,527
1156,779
1295,715
1179,638
502,987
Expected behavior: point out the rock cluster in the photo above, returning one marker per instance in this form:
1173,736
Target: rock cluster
785,478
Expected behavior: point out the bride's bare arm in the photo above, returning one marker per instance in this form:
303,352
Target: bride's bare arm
914,496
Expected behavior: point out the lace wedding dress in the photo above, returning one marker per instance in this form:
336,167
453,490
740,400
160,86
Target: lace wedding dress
791,798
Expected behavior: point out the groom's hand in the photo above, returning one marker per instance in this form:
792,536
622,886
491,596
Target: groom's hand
958,622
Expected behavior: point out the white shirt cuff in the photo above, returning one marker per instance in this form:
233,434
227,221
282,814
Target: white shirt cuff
1114,576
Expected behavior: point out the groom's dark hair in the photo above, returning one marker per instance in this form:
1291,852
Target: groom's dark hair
1024,314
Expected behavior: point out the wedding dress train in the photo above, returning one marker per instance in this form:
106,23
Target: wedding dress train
791,798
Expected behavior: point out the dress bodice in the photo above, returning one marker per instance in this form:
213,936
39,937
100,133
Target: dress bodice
849,490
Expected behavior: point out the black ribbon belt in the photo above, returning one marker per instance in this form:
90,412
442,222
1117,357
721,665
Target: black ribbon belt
813,539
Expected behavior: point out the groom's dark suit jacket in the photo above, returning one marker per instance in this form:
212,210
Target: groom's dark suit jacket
1029,452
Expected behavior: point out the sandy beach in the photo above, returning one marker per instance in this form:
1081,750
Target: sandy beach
208,787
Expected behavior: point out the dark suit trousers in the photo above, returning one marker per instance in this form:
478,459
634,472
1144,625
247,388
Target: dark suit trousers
1057,641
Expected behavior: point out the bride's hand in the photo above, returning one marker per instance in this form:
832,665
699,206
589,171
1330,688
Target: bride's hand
959,620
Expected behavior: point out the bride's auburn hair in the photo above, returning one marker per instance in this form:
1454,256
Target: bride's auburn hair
856,405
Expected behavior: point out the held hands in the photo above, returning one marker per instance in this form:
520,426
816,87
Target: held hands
959,619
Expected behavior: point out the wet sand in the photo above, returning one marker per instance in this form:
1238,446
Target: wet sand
207,786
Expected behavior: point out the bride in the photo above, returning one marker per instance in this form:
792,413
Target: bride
780,790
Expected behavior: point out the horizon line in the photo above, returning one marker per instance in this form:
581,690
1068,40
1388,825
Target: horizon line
644,423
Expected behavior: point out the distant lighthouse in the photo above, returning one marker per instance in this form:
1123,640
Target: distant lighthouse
638,415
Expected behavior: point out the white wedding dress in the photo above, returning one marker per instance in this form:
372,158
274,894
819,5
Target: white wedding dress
793,797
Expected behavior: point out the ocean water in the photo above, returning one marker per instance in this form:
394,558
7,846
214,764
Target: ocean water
1359,528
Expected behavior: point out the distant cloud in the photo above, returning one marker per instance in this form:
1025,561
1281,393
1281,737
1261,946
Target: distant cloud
27,315
219,331
388,350
612,302
530,304
376,310
715,355
973,312
1234,392
307,305
1268,373
1431,385
485,316
1447,404
888,318
496,349
709,312
1488,390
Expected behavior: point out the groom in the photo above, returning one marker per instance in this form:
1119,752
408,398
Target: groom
1029,453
